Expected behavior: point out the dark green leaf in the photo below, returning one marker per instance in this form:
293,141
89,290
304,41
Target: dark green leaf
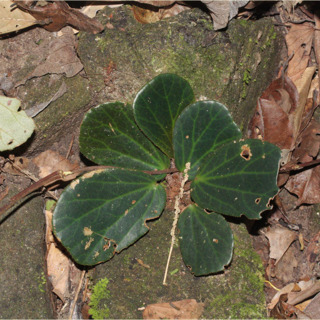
157,106
199,130
206,240
239,179
105,211
109,136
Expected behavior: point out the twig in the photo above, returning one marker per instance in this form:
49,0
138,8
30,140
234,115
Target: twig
295,166
77,294
175,221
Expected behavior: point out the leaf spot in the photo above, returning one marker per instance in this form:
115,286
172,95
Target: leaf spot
187,137
246,152
126,212
88,244
87,231
215,240
133,201
257,201
96,254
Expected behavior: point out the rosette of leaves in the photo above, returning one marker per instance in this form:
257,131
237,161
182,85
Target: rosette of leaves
105,211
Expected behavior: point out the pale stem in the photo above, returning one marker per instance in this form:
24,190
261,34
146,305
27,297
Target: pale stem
175,220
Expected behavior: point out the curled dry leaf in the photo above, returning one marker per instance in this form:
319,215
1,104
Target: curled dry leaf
289,288
273,118
58,14
184,309
279,239
299,42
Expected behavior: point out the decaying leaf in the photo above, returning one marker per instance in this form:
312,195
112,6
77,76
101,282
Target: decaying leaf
184,309
299,42
223,11
14,19
306,186
273,118
58,14
58,272
289,288
15,126
144,15
50,161
279,239
60,57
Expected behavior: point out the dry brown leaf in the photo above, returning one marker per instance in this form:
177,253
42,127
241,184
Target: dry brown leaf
144,15
58,269
308,144
223,11
306,186
313,308
14,19
279,239
58,14
50,161
184,309
288,289
57,56
273,118
299,42
303,87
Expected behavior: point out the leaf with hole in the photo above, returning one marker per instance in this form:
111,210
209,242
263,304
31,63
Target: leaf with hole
206,240
239,179
200,129
105,211
109,136
158,105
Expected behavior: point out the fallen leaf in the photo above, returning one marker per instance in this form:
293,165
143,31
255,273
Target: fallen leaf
58,272
308,144
184,309
33,111
299,43
313,308
223,11
15,126
58,14
50,161
273,118
279,239
61,57
13,19
145,15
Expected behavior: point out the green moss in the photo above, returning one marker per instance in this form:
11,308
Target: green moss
99,300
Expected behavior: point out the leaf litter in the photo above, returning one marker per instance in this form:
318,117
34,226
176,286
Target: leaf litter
285,115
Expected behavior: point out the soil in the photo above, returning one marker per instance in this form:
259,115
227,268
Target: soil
116,64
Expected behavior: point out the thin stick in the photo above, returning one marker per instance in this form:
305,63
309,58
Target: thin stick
76,295
175,221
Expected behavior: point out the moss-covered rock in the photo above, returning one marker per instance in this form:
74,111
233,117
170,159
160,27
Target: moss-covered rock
136,275
233,66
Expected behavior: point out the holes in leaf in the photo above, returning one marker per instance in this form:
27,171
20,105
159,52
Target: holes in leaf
246,152
257,201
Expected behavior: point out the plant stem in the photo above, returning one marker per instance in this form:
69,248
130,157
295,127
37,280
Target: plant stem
175,220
